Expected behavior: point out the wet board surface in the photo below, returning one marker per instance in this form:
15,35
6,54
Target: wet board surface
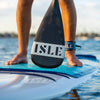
30,82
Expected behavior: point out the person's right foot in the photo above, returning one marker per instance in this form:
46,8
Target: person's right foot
19,58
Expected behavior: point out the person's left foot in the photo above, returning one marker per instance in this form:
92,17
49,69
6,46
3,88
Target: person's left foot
72,59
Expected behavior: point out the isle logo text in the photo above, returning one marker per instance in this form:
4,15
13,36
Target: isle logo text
47,49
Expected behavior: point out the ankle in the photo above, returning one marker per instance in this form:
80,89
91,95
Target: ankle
70,53
24,54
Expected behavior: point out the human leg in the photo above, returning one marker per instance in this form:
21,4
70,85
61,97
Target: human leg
69,19
23,25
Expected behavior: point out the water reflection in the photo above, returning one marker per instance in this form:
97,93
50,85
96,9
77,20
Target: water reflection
72,95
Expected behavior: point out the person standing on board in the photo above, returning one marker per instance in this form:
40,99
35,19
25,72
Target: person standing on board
69,19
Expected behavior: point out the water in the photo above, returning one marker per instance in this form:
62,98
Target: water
86,91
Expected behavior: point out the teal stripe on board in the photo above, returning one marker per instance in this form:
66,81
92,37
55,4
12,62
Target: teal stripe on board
64,68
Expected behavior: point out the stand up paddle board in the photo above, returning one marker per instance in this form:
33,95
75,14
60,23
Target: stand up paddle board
30,82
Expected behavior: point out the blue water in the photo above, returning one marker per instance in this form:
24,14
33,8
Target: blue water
86,91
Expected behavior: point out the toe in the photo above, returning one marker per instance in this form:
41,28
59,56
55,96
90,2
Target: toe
71,63
79,63
7,63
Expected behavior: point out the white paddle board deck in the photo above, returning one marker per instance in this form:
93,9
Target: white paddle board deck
30,82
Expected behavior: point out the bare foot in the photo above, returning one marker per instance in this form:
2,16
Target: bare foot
19,58
72,59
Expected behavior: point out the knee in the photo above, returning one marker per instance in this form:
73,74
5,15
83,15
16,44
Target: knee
25,3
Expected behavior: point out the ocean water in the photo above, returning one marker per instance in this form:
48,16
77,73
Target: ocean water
86,91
